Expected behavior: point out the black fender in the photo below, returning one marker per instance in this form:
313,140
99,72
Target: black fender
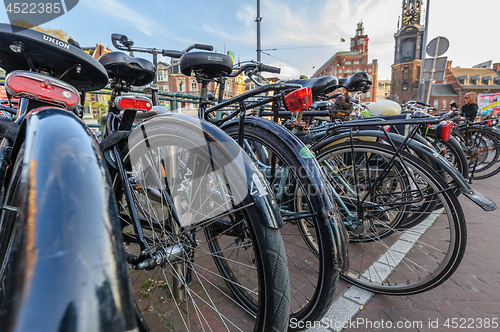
68,267
315,174
424,150
256,184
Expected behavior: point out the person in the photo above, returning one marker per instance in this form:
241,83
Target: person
469,110
491,115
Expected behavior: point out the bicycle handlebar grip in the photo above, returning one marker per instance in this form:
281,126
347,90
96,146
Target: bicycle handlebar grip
353,100
125,42
269,69
204,47
118,37
171,53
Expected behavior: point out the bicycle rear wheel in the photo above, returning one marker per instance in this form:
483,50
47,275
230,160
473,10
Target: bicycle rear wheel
413,256
215,265
298,185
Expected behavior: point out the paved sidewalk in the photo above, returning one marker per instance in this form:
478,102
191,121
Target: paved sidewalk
469,300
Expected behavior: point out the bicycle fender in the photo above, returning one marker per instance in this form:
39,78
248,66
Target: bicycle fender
256,184
311,167
483,202
69,268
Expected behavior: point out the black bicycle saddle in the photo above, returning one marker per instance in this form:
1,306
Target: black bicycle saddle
319,85
133,71
50,55
211,65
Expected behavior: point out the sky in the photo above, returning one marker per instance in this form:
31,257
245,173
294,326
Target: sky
296,35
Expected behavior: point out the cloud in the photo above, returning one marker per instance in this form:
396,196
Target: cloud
287,71
117,10
317,23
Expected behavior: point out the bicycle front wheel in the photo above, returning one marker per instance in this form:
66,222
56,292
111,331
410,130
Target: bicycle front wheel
410,257
299,188
209,262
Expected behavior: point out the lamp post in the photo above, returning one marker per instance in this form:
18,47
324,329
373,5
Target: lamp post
258,19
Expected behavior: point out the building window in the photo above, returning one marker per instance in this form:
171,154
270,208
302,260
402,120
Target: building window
355,62
405,73
340,71
368,94
160,76
194,86
443,105
181,86
369,70
405,86
436,104
348,62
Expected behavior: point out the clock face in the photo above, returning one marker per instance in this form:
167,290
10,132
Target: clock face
410,17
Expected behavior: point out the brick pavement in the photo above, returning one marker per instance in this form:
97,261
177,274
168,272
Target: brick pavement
468,298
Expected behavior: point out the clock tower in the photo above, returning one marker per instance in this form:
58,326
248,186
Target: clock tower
407,53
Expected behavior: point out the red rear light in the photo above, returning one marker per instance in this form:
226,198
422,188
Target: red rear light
135,103
444,130
299,99
23,84
488,123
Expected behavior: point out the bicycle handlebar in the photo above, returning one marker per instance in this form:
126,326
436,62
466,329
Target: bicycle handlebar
269,69
253,68
126,45
412,102
203,47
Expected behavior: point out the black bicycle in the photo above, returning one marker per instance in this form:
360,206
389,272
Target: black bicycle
314,241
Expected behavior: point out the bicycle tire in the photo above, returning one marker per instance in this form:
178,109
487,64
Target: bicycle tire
311,304
233,291
385,266
483,145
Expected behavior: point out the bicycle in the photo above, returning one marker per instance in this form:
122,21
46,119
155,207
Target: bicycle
296,181
158,236
387,196
304,215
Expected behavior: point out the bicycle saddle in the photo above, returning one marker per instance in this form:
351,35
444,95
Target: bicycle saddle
210,65
319,85
358,82
133,71
49,55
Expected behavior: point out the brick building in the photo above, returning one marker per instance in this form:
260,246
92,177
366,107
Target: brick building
345,64
458,81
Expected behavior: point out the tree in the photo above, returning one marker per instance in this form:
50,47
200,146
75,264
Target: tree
57,33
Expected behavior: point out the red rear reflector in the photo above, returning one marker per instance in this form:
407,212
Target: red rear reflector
444,130
488,123
298,99
23,84
135,103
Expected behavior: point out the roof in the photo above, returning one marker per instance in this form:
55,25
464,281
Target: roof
477,78
442,90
